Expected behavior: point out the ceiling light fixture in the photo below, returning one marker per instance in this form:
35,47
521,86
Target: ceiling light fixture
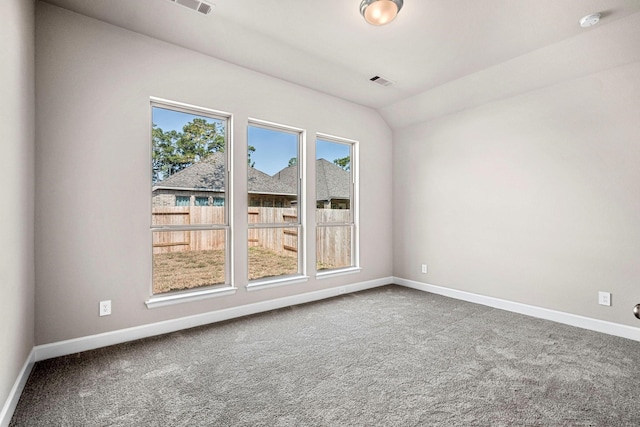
380,12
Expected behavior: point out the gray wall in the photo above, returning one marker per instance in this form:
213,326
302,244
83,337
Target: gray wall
533,199
16,176
93,196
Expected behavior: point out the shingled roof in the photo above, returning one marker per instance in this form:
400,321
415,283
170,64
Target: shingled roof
332,182
208,175
261,183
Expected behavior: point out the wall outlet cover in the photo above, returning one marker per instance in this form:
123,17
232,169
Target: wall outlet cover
604,298
105,308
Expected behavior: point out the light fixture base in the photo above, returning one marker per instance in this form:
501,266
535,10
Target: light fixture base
590,20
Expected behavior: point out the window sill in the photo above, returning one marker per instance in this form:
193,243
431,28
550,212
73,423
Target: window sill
338,272
271,283
161,301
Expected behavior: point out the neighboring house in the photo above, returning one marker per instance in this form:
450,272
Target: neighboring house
332,184
265,191
202,184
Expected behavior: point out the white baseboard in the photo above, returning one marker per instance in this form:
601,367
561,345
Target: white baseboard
62,348
610,328
14,395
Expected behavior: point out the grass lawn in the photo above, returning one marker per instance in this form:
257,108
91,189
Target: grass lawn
264,263
174,271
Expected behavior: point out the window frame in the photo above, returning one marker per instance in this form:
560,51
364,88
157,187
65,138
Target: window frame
202,292
301,275
354,207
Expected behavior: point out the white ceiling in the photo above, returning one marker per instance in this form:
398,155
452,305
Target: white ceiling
442,55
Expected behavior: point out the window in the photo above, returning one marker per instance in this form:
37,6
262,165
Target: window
274,187
183,200
189,164
202,201
336,232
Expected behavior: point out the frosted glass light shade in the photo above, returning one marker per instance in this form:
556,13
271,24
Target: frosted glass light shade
380,12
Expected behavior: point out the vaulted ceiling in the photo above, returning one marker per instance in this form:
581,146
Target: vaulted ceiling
441,55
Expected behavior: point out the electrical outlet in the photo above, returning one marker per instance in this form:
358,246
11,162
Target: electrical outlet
105,308
424,268
604,298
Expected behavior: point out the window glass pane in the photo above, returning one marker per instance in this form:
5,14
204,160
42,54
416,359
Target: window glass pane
273,252
333,247
188,259
189,221
333,182
273,178
189,161
183,200
202,201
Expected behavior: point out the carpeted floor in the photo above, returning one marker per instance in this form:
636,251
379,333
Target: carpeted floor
390,356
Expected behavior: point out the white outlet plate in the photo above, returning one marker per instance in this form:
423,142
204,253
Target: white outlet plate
105,308
604,298
424,268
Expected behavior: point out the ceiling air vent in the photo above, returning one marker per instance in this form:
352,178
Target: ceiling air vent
197,5
381,81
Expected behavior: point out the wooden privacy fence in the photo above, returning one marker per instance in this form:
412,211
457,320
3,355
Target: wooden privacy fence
333,243
178,241
281,240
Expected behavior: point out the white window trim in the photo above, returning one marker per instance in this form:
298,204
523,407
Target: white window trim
325,274
266,283
355,167
163,300
188,108
175,297
301,276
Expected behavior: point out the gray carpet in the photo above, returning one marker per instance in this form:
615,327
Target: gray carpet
385,357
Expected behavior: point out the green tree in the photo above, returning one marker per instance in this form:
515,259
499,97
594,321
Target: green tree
293,161
164,158
174,151
200,138
250,149
344,163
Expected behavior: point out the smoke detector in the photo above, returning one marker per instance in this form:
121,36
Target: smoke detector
590,20
196,5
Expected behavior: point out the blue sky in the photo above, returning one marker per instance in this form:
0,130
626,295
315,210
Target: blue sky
331,150
274,148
